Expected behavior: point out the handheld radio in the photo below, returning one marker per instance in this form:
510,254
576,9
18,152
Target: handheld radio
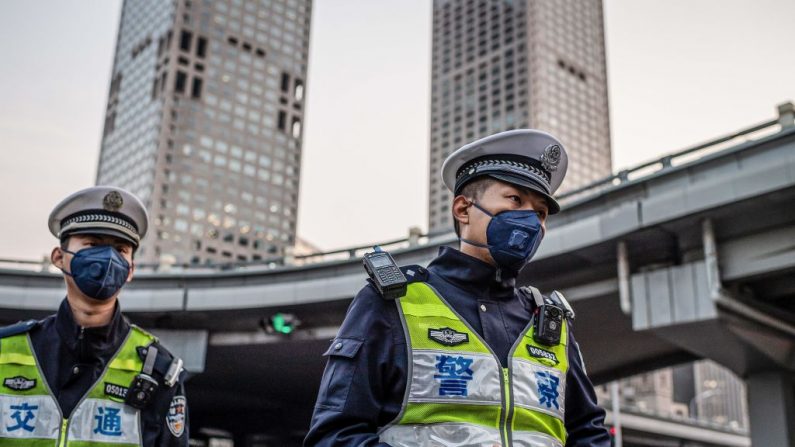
386,276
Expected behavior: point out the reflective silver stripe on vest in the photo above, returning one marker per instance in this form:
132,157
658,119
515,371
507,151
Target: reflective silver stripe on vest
442,435
29,417
430,381
530,394
534,439
100,420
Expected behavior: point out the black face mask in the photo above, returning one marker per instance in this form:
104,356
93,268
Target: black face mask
512,237
99,272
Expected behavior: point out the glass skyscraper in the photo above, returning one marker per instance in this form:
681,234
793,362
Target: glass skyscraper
204,123
508,64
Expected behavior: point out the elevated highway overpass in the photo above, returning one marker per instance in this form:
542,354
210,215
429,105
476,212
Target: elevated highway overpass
690,256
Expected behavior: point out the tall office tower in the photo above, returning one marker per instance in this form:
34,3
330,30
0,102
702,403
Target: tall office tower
203,122
507,64
701,391
719,396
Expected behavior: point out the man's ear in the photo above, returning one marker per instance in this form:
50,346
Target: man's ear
461,209
56,257
132,270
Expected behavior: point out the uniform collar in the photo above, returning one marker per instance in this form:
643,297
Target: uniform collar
88,343
471,274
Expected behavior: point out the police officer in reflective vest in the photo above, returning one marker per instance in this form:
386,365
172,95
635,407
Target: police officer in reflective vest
465,358
86,376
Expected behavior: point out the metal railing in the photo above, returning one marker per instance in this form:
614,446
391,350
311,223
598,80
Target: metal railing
786,119
666,162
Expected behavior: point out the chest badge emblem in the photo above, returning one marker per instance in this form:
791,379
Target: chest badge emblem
19,383
447,336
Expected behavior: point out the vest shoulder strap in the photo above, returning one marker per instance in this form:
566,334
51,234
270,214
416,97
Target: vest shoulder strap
143,333
18,328
534,295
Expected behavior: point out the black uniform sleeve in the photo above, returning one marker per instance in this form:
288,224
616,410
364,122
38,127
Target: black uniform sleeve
364,380
166,421
170,435
584,418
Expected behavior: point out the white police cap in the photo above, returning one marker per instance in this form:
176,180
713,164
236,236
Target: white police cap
105,210
525,157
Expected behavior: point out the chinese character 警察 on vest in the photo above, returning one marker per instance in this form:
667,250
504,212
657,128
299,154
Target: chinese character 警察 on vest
458,393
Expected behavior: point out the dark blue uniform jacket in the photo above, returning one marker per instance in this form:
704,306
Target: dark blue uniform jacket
365,379
73,358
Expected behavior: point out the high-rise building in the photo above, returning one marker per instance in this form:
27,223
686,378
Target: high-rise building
204,123
719,396
507,64
698,392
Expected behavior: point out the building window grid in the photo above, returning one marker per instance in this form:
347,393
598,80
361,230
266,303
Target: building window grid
510,103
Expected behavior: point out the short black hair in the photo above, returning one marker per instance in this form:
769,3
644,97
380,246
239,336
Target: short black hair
474,190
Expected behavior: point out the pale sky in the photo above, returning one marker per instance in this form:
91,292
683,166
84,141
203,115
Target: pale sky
680,72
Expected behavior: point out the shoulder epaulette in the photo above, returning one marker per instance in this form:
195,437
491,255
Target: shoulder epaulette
414,273
17,328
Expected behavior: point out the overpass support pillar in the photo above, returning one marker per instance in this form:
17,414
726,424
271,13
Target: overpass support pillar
771,408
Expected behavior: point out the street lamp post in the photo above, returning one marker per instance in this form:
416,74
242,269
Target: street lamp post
616,407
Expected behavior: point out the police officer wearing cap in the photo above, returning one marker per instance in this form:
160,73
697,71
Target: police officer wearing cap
465,358
86,376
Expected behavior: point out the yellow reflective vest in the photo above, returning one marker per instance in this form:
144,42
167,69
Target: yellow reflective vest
458,394
30,413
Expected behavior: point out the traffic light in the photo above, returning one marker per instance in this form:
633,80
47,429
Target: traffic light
282,323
